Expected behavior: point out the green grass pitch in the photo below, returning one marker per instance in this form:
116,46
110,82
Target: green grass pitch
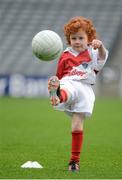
31,130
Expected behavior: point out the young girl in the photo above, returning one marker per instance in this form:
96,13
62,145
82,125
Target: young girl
71,89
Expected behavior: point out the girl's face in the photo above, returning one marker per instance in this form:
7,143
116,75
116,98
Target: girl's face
79,41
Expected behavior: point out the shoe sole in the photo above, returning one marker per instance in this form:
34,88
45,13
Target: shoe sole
54,83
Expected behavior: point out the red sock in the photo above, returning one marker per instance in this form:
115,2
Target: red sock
77,141
63,96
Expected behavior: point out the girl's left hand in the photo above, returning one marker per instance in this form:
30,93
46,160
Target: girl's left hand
96,44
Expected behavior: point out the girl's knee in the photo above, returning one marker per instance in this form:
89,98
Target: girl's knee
77,121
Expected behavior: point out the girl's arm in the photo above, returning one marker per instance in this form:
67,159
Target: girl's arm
97,44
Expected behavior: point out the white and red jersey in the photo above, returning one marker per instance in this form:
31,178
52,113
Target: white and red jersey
80,66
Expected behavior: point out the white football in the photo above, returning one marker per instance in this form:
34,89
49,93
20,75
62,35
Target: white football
47,45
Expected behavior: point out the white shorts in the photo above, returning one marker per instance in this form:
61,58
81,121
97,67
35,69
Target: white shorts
82,98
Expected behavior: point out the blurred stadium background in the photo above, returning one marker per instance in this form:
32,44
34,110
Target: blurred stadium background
21,74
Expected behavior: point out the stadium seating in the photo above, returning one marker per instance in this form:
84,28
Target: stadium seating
21,20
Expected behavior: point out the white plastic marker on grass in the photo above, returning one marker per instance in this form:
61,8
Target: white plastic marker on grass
31,164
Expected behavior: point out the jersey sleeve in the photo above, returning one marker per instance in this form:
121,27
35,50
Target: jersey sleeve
60,68
98,63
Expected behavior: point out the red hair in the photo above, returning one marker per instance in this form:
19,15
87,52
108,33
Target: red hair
77,23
